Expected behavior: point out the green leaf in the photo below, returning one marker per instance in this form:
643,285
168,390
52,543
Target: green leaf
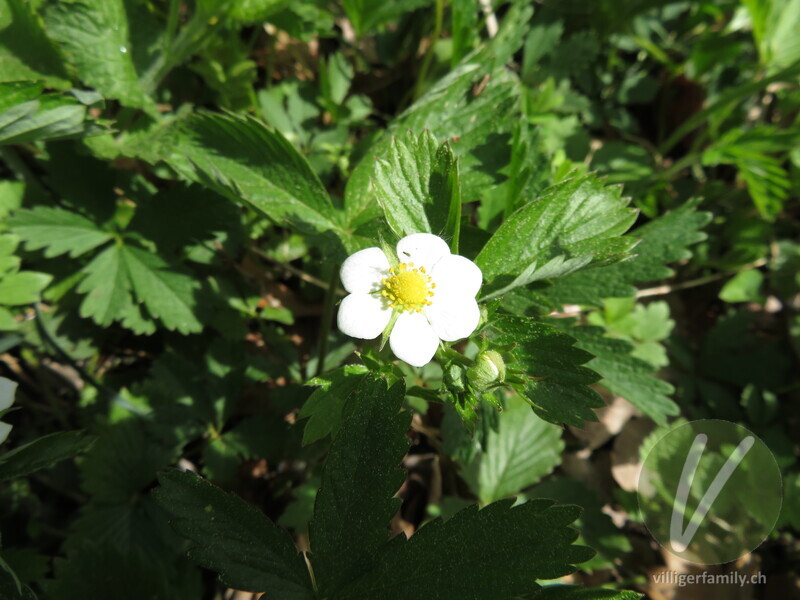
370,14
626,375
10,586
23,287
417,186
521,451
25,50
664,240
58,231
169,295
49,117
474,106
324,407
495,553
744,287
94,37
574,224
558,386
242,159
42,453
360,478
234,538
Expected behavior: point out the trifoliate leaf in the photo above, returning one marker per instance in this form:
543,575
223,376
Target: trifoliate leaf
58,231
521,451
574,224
360,478
234,538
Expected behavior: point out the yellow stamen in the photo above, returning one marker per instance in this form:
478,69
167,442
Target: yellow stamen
408,288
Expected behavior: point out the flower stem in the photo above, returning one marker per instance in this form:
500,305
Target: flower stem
327,317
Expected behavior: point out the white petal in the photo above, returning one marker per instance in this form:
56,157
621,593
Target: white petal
363,316
362,272
456,275
413,339
422,249
453,317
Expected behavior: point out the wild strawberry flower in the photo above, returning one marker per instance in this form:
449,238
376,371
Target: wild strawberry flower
430,293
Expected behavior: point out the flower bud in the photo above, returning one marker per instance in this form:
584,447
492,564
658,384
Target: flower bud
489,369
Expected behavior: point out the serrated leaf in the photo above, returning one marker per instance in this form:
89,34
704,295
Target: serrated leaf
571,221
42,453
558,386
107,287
242,159
169,295
664,240
521,451
495,553
58,231
625,375
417,184
94,37
474,107
234,538
360,478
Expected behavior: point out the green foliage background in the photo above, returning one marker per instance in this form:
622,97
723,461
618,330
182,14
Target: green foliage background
180,182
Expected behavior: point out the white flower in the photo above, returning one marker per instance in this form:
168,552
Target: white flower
432,291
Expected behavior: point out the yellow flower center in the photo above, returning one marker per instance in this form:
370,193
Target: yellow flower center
408,288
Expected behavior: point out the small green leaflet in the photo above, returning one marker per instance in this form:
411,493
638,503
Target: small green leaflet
42,453
417,187
558,386
58,231
228,535
521,451
574,224
242,159
495,553
323,409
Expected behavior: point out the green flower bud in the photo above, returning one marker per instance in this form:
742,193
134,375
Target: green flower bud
489,369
